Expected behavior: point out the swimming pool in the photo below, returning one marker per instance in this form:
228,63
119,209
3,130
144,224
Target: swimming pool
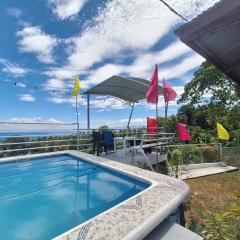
43,197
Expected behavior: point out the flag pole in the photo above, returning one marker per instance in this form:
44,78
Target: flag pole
77,123
165,119
157,167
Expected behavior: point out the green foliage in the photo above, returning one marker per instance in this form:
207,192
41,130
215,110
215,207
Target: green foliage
104,127
162,168
209,81
216,228
224,225
190,154
175,161
208,98
171,123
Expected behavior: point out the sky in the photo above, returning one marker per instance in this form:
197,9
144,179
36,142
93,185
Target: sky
45,43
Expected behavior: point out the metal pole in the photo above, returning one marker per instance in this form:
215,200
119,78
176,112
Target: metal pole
165,119
157,167
88,111
129,120
221,151
238,144
77,123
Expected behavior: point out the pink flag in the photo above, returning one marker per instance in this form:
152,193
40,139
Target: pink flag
169,92
183,132
152,94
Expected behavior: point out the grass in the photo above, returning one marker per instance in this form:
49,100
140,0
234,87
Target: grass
212,193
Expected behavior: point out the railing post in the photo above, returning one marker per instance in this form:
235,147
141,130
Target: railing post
88,111
201,154
238,144
78,133
221,151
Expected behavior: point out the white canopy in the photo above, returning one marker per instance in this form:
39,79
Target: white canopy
128,89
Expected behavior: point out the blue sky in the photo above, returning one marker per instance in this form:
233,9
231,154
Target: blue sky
44,43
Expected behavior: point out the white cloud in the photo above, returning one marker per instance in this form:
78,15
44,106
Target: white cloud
27,98
19,124
54,84
13,69
34,40
102,73
33,120
144,62
61,72
132,28
102,103
14,12
143,67
64,9
123,25
22,85
182,68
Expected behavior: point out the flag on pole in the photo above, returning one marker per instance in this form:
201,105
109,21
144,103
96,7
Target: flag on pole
169,92
222,132
183,132
76,86
152,94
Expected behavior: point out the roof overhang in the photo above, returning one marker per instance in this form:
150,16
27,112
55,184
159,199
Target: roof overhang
128,89
215,34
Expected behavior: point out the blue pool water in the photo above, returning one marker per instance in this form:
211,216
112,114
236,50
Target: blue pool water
44,197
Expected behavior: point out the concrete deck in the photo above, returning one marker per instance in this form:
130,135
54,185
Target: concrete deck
191,171
205,171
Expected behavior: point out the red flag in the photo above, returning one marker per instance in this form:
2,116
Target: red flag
151,125
183,132
152,94
169,92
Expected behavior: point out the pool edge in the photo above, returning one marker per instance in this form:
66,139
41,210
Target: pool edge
176,189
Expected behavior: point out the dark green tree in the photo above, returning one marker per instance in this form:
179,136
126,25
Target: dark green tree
210,85
210,97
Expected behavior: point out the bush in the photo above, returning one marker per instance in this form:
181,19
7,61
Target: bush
190,154
175,161
224,225
210,153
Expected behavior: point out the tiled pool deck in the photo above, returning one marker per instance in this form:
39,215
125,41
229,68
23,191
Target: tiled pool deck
133,218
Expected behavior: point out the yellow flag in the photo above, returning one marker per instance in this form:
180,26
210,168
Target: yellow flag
76,86
222,132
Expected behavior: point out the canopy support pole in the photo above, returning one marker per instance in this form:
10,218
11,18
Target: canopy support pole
88,111
129,120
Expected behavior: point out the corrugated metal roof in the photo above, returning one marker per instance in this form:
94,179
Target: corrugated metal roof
215,34
128,89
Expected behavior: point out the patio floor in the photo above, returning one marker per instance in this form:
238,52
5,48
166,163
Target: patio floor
206,171
121,156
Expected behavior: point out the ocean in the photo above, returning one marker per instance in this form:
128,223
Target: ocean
34,134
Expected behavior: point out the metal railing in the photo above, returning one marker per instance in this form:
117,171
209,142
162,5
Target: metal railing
27,138
199,153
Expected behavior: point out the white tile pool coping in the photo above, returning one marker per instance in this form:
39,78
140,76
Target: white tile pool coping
133,218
